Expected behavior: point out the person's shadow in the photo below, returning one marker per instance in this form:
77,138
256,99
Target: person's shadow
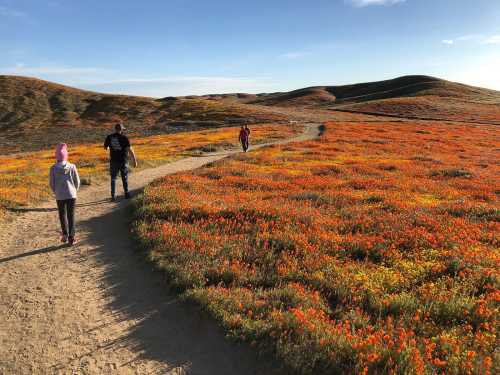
51,209
34,252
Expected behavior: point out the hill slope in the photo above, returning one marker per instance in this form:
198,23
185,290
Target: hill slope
32,103
410,96
33,112
407,86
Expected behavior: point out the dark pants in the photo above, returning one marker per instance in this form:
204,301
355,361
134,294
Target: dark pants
245,144
66,210
114,168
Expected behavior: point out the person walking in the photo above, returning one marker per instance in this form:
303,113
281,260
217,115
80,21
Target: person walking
247,129
119,150
65,182
243,138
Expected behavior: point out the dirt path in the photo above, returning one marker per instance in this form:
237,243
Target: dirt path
98,308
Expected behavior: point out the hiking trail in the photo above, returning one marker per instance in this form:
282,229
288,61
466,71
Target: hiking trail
98,307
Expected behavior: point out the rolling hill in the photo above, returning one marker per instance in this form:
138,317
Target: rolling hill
34,112
416,97
407,86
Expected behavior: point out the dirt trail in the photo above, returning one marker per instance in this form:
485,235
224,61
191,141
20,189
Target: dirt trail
98,308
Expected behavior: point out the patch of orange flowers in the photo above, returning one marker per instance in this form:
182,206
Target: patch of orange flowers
24,177
373,249
433,107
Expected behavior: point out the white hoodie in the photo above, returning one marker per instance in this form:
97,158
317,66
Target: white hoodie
64,180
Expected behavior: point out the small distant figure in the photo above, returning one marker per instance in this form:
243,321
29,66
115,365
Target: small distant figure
244,137
65,182
119,150
247,129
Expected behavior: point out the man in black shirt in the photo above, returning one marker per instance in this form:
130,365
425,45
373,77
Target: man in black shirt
119,149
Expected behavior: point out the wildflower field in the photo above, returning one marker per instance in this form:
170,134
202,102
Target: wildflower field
436,107
373,249
24,176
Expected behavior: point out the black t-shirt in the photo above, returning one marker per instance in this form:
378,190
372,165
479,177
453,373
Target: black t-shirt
118,147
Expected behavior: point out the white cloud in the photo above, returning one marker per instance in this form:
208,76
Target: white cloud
52,70
308,50
494,39
364,3
466,38
8,12
477,38
293,55
182,85
182,79
109,81
326,46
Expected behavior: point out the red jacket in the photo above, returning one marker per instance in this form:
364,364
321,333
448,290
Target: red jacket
243,134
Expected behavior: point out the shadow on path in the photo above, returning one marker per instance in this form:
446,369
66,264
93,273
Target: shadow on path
169,331
51,209
34,252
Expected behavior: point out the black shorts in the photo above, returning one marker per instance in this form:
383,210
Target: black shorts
115,167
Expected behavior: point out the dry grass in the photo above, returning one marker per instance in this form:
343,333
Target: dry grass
413,97
372,250
34,114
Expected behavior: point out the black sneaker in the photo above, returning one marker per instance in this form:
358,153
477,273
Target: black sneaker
113,198
127,195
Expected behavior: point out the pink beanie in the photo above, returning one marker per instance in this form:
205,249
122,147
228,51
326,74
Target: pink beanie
62,152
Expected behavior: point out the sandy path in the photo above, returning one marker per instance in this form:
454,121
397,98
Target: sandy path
98,308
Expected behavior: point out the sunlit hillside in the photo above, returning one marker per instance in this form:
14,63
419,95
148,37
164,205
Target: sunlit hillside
417,97
36,114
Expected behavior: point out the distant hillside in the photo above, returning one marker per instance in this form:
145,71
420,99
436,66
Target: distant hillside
33,103
34,112
409,96
406,86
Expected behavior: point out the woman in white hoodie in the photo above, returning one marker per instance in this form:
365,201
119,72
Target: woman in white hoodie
65,182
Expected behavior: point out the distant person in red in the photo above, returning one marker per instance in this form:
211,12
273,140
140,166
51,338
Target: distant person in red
119,150
247,129
244,137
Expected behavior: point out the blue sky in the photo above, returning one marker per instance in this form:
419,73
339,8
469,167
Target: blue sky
179,47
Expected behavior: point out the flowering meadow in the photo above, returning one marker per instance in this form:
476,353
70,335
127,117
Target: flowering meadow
435,107
24,176
371,250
